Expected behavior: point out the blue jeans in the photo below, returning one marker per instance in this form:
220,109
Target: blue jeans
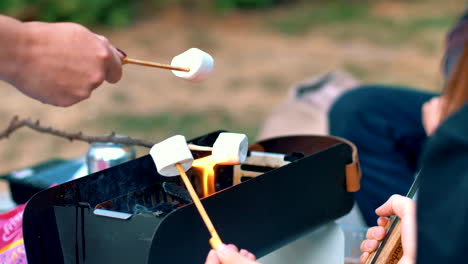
385,124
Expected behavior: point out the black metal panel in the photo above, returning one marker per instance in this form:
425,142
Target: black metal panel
261,214
88,238
39,227
93,189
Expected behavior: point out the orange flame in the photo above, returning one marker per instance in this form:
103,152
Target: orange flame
206,164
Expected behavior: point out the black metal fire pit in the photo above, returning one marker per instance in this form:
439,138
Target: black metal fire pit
97,219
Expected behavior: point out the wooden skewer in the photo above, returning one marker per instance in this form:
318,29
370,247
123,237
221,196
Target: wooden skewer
154,64
199,148
215,240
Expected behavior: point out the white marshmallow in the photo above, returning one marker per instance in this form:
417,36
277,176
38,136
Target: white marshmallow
199,62
166,154
230,148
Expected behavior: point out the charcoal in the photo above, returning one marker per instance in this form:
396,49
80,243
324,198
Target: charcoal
177,192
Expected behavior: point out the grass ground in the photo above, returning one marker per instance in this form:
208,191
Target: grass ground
258,55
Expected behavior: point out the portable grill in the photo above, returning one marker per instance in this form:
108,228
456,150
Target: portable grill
131,214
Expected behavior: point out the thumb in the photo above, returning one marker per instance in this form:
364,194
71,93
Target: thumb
228,255
397,205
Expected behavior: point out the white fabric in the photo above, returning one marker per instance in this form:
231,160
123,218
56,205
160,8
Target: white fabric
324,245
230,148
166,154
199,62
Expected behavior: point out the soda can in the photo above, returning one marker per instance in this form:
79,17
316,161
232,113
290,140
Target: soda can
103,155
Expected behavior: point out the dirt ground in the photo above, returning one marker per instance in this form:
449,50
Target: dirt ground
255,65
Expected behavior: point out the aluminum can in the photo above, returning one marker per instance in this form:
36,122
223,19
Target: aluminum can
103,155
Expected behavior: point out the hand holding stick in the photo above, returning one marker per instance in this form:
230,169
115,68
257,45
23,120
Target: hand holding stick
390,250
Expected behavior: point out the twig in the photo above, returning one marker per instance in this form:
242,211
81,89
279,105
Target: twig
17,123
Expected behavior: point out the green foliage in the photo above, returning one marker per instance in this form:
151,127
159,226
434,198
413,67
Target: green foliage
109,12
230,4
87,12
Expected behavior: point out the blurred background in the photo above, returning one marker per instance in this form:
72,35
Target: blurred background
261,48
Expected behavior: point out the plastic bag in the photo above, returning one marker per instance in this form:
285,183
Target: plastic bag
11,237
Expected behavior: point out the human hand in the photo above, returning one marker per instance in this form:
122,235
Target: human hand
405,209
432,114
229,254
62,63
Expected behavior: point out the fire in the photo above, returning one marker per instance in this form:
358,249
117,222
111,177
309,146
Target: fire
206,165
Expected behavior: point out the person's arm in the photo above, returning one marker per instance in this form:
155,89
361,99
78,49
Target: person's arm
405,209
11,38
55,63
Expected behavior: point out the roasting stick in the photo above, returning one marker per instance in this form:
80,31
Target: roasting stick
215,240
390,249
154,64
199,148
173,157
193,65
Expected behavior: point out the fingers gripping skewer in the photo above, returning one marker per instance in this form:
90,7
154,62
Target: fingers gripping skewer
390,249
193,65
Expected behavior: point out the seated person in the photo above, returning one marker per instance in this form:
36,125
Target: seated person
385,124
441,205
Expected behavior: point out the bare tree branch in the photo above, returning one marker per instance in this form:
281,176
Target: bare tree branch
17,123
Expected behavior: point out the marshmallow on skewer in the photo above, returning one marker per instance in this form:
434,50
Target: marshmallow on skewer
173,157
199,62
230,148
166,154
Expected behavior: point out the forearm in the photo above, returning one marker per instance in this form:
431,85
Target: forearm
13,42
55,63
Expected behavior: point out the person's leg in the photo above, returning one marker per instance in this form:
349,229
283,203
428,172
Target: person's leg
385,124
